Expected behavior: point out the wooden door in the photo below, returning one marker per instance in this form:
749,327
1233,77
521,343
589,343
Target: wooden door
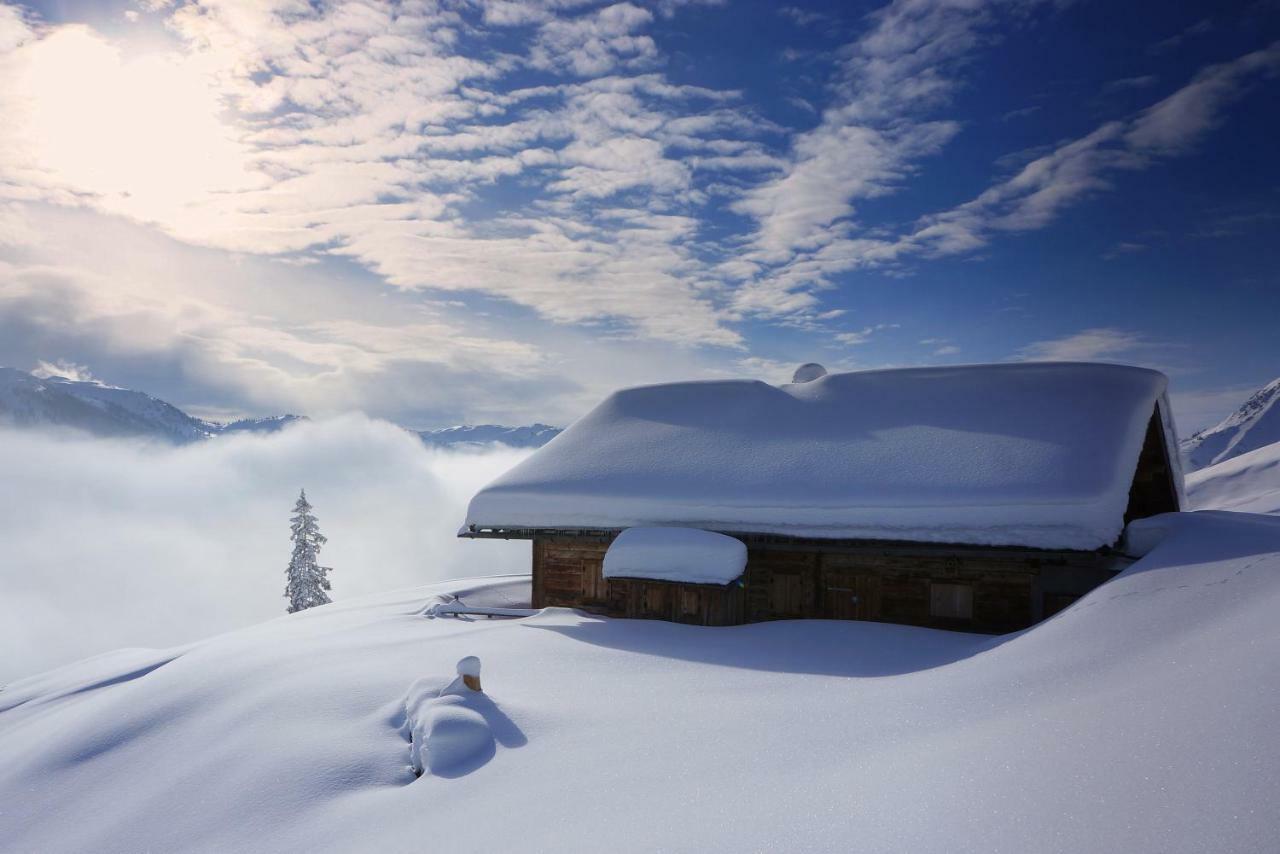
849,595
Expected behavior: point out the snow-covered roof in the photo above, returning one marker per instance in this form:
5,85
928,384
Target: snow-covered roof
688,555
1031,454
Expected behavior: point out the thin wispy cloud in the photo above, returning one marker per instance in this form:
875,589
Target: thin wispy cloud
1088,345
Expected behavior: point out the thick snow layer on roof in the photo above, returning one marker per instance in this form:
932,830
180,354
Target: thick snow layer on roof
675,554
1140,719
1039,454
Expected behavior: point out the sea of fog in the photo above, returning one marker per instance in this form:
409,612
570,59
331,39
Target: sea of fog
118,543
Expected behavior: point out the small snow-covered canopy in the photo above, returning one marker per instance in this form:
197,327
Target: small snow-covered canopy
688,555
1031,454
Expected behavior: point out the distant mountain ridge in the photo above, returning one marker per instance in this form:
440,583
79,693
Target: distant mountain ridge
107,411
531,436
1254,425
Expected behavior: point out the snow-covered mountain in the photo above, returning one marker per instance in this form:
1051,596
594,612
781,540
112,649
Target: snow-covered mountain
1255,424
30,401
531,436
108,411
1140,719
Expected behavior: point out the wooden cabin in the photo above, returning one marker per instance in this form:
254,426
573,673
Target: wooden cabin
980,498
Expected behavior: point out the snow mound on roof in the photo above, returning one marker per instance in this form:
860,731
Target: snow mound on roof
1037,455
675,554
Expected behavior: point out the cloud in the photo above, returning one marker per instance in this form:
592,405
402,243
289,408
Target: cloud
1124,248
1021,113
1199,28
803,17
113,543
1129,83
595,43
389,133
1080,168
1176,123
63,368
889,85
863,335
1232,224
1103,343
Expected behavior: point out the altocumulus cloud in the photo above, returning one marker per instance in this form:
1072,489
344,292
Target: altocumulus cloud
112,544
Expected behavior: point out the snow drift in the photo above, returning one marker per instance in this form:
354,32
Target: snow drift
1141,719
1249,482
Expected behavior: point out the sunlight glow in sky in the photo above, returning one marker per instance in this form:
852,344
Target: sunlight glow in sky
472,210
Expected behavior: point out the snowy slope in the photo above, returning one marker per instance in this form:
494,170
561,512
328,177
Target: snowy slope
477,435
1255,424
1032,454
1249,483
1141,719
29,401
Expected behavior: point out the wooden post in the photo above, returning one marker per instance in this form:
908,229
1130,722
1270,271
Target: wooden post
469,670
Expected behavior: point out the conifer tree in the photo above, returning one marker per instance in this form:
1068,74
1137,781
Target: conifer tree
306,581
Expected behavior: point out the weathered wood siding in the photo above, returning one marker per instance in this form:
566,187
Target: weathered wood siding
1011,588
569,571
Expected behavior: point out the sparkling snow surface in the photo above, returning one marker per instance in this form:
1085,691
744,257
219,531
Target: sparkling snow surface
1141,719
675,554
1022,454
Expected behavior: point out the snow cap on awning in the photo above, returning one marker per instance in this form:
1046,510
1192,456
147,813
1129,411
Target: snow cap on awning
688,555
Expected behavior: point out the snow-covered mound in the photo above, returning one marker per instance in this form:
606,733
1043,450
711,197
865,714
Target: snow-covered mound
1141,719
1249,483
448,726
481,435
1254,425
1034,454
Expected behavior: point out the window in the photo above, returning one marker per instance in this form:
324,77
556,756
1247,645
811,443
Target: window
951,601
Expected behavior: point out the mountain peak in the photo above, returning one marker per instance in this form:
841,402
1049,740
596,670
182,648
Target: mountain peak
1255,424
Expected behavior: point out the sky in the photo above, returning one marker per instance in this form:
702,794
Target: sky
495,210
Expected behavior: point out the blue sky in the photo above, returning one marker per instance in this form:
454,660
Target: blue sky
492,210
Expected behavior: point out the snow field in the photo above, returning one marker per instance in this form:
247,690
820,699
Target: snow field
1143,718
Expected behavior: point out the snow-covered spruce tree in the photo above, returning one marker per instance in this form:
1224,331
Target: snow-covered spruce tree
306,581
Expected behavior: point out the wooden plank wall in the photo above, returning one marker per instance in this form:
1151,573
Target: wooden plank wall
569,572
1012,589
